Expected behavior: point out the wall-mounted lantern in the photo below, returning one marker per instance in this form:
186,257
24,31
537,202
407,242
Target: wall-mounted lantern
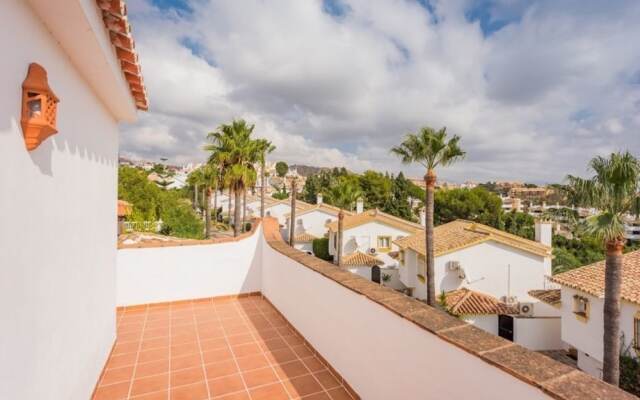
39,106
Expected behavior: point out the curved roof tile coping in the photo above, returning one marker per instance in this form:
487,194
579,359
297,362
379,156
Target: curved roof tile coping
552,377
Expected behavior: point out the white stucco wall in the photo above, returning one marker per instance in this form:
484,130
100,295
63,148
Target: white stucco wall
487,270
365,236
363,271
314,222
538,333
304,246
397,368
488,323
586,336
58,225
161,274
278,211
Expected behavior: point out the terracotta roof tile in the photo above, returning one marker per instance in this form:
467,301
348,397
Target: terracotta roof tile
590,278
550,296
468,302
304,237
459,234
329,209
114,16
361,259
124,208
375,215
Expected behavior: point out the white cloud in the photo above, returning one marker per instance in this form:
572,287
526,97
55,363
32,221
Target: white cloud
534,100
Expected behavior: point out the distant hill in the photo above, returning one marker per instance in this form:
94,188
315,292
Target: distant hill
307,170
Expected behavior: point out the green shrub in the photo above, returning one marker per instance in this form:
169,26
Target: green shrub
247,227
630,374
321,249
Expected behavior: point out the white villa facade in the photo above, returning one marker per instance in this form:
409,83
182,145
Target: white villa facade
497,269
59,239
582,305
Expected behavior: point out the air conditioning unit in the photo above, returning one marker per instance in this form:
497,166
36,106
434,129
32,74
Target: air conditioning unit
509,299
461,273
453,265
526,309
372,251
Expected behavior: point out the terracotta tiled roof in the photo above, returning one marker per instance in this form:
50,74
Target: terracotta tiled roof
550,296
590,278
467,302
351,221
114,15
300,205
124,208
361,259
459,234
304,237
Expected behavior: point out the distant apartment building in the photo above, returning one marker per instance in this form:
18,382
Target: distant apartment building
532,195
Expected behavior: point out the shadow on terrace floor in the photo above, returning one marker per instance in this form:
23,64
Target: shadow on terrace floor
213,349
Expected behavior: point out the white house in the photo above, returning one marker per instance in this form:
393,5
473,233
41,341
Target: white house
371,233
312,221
491,270
70,75
582,304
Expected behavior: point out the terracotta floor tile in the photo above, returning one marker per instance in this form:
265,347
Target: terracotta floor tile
127,347
253,361
270,392
153,355
184,338
112,392
317,396
187,376
162,395
184,349
121,360
339,394
281,355
219,369
150,384
154,333
313,364
155,343
210,333
293,340
240,339
213,344
274,344
302,386
196,391
129,337
244,395
326,379
213,356
243,350
190,361
290,370
302,351
266,334
259,377
152,368
225,385
115,375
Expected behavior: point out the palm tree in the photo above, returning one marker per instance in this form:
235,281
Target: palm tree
264,147
233,148
343,195
210,179
430,149
613,190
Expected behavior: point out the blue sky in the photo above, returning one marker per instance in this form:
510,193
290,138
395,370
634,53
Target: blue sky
534,88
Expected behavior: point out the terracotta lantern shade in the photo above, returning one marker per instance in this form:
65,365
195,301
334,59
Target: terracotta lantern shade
39,107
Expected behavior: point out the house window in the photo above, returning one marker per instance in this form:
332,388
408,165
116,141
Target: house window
384,242
636,331
581,307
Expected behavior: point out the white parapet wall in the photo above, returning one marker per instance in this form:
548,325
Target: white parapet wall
159,274
380,354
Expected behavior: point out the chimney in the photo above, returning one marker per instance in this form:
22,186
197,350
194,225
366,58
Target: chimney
423,217
359,205
544,231
319,198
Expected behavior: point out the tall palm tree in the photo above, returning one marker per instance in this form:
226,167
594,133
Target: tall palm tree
431,149
264,147
234,148
613,190
210,177
343,195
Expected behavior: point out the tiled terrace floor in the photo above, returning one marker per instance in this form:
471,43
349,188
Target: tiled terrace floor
232,350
